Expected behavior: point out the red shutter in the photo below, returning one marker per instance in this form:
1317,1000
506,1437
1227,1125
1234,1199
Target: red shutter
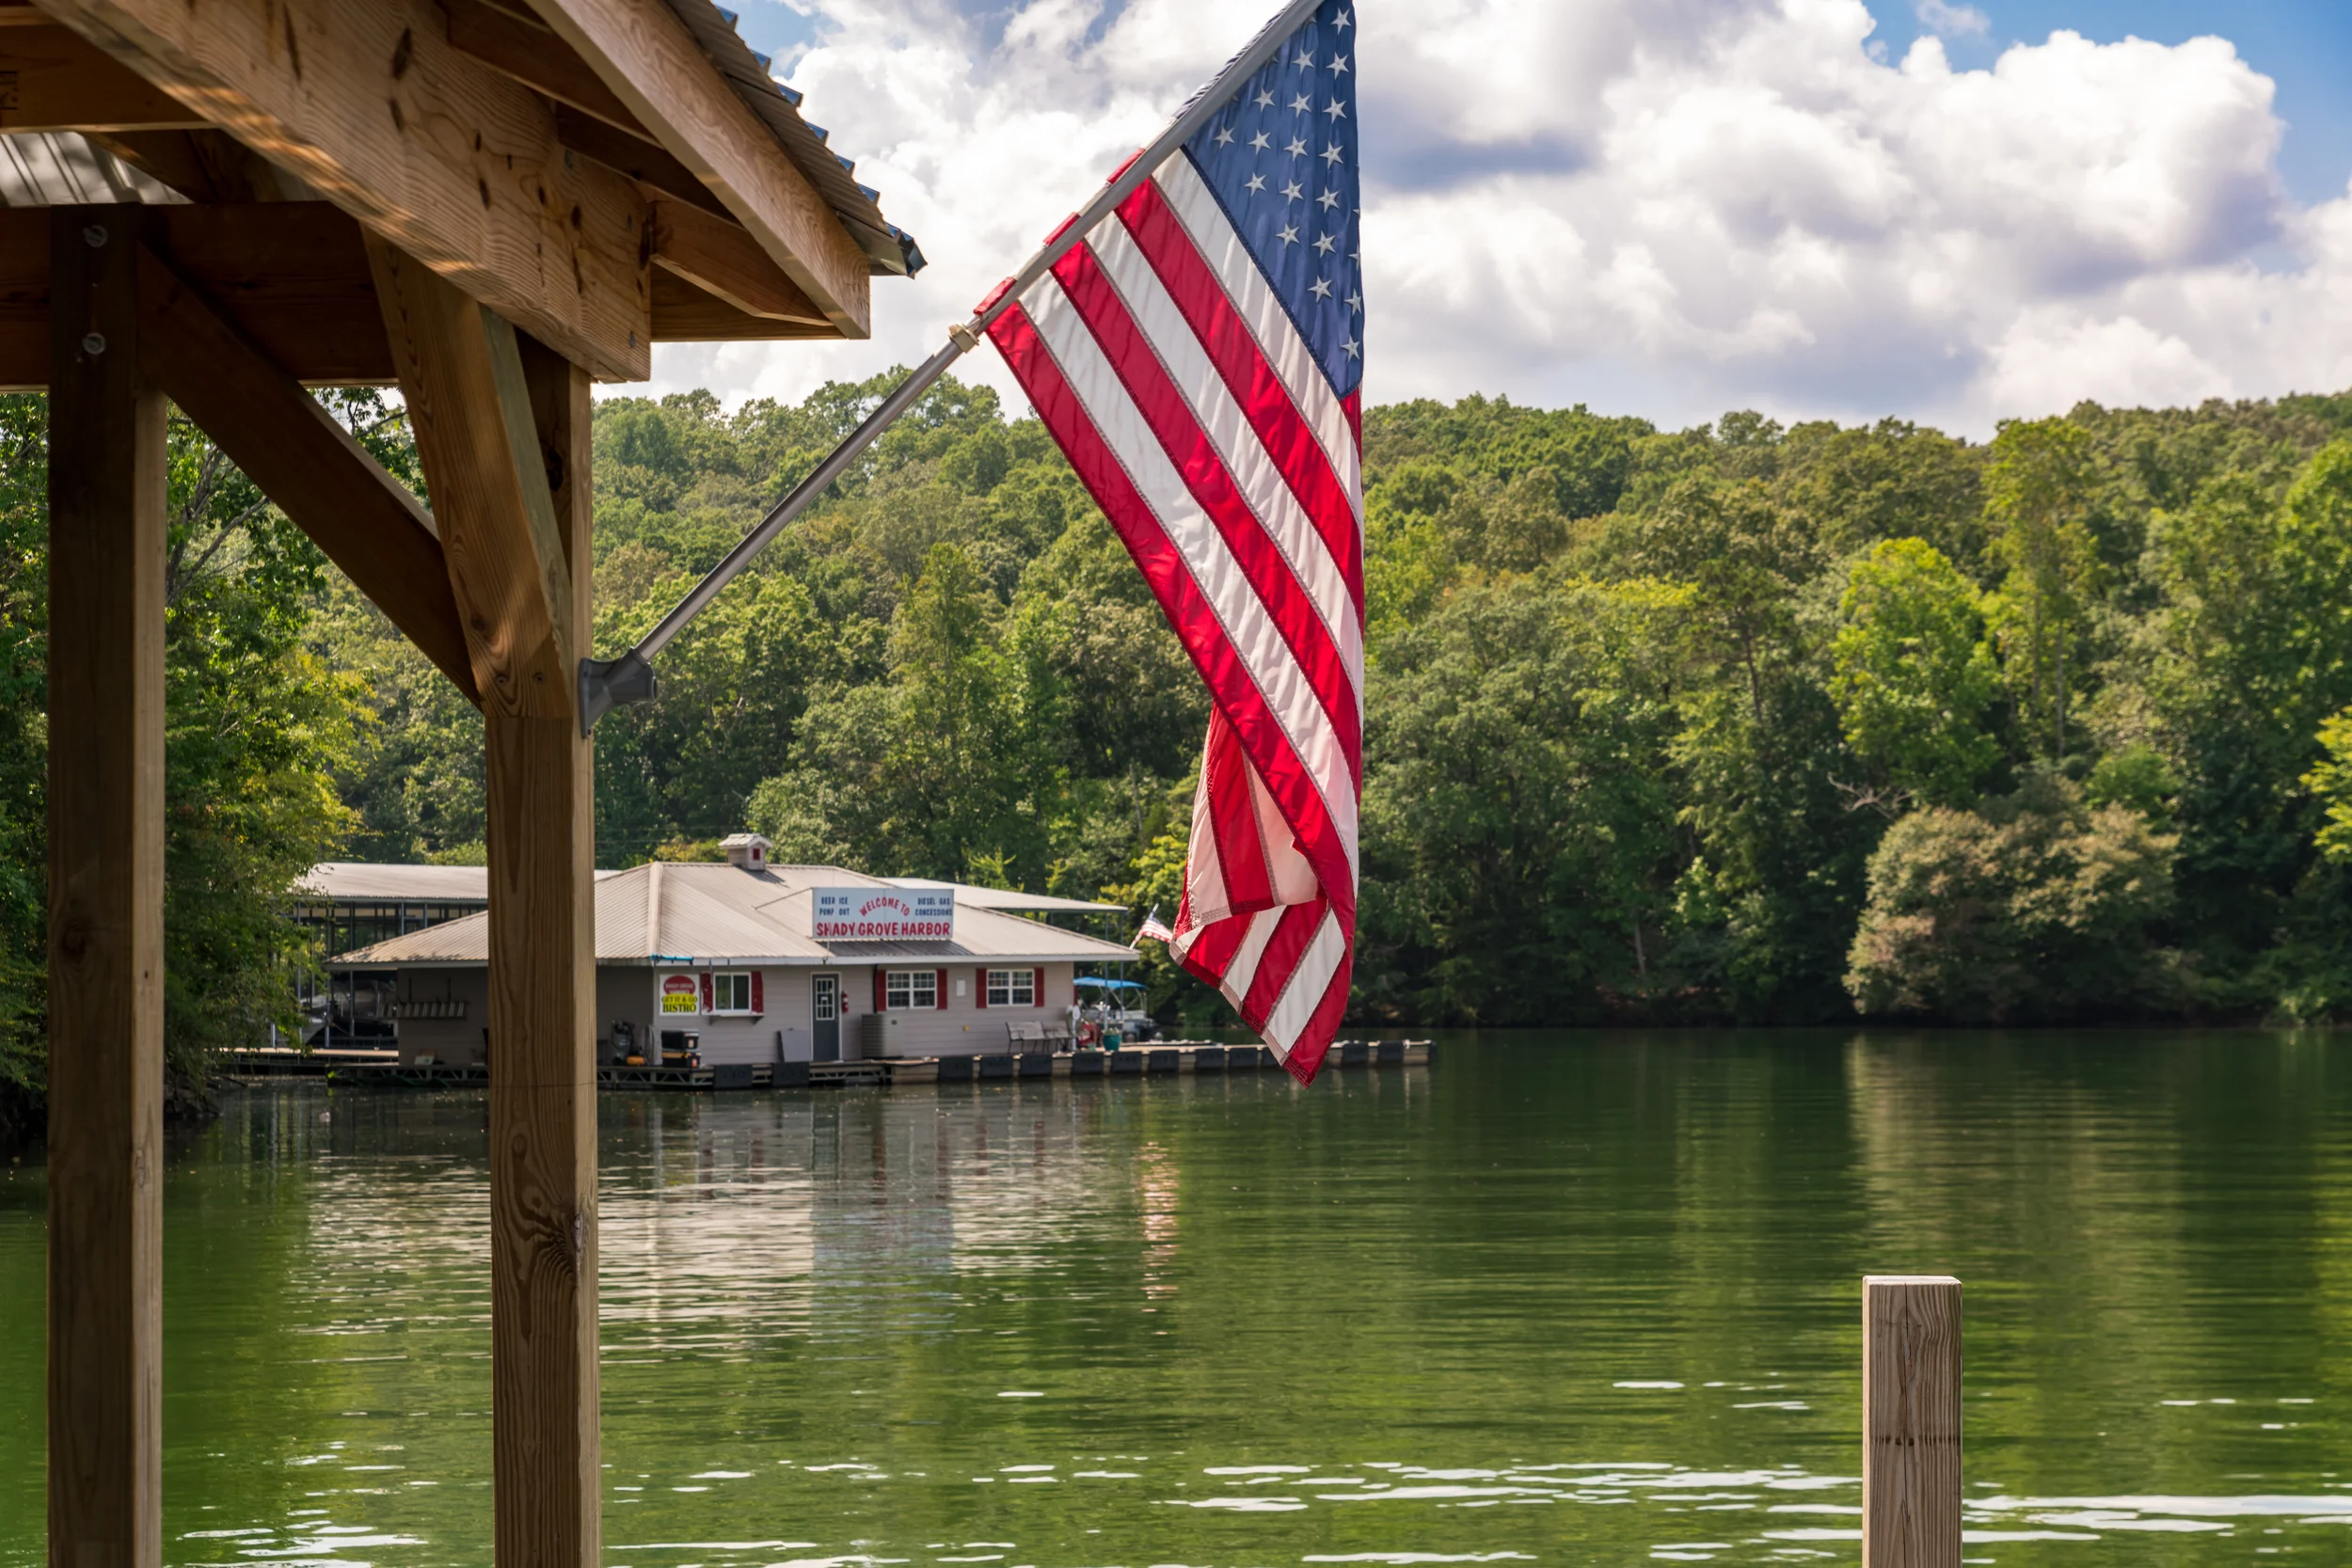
881,996
979,988
943,990
759,993
1037,987
705,990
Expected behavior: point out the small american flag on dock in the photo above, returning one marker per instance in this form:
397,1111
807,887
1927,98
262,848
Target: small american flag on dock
1199,358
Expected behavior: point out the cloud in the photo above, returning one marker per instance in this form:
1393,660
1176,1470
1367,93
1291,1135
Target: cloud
1665,207
1951,21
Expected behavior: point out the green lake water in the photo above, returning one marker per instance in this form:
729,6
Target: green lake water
1562,1299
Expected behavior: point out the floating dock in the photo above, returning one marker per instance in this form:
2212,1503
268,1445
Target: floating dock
385,1069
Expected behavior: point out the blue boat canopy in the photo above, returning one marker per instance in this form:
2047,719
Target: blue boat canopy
1108,984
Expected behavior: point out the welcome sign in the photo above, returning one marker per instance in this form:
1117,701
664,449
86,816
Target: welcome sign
884,914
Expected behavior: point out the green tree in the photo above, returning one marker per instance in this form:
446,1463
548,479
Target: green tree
1914,677
2036,906
2037,505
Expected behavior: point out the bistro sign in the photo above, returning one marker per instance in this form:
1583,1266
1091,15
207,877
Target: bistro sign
884,914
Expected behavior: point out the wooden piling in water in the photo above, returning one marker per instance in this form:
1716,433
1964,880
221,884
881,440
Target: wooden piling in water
1911,1419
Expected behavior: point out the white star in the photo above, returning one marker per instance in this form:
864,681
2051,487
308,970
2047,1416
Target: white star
1324,243
1257,184
1300,104
1322,289
1350,346
1336,109
1291,192
1355,300
1297,149
1331,154
1327,200
1288,234
1259,142
1266,97
1339,65
1340,21
1306,59
1225,136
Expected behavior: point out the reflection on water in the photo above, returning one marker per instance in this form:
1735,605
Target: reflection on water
1564,1299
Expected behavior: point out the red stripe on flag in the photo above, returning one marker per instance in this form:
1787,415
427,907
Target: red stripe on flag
1196,623
1292,934
1266,403
1324,1022
1234,819
1204,473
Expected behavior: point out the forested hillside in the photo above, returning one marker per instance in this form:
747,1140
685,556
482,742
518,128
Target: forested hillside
1735,724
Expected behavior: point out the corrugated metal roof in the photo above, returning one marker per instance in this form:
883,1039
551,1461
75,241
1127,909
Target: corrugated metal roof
64,168
970,897
707,914
360,880
888,249
58,169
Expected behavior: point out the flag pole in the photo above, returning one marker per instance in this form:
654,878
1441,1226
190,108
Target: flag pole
607,684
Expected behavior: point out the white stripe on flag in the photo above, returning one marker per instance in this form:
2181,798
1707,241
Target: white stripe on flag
1251,630
1203,217
1310,978
1257,480
1235,982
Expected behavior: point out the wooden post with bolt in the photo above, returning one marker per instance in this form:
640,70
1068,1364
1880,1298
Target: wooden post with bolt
1909,1421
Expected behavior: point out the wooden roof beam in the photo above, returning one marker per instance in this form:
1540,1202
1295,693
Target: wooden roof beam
54,79
644,55
461,375
457,165
722,259
305,460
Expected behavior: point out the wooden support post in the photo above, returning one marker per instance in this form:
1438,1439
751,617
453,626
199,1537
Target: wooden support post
1910,1421
107,496
542,1085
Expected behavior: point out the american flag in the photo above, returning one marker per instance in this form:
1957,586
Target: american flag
1198,357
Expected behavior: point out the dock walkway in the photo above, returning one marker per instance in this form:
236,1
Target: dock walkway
385,1069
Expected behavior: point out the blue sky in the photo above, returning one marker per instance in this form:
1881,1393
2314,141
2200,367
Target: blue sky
2305,46
1675,207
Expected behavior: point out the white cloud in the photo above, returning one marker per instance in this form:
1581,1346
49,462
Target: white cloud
1665,207
1951,21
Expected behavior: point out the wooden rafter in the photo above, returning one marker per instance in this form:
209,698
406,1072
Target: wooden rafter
719,257
455,164
651,63
291,278
365,520
461,376
58,81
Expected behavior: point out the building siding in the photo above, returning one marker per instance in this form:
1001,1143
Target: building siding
962,1027
632,994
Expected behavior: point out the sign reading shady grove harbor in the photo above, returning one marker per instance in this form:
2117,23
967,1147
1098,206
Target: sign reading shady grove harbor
884,914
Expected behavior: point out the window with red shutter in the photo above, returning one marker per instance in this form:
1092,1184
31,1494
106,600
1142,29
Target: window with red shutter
881,998
705,990
1038,985
759,993
979,988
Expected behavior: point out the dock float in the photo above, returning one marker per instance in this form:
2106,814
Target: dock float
384,1069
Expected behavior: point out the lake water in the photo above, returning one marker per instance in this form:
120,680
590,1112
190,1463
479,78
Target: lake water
1562,1299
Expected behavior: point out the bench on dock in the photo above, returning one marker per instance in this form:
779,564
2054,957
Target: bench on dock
1019,1034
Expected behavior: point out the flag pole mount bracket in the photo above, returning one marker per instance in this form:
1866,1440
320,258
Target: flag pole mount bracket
606,684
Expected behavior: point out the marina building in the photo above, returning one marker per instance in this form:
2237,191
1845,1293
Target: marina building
747,962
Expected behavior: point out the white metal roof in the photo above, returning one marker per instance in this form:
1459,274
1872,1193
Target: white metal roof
365,879
971,898
710,914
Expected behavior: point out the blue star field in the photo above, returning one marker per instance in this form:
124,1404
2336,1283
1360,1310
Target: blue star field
1281,157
